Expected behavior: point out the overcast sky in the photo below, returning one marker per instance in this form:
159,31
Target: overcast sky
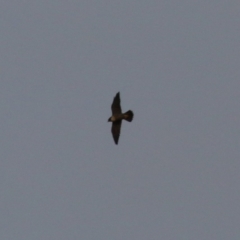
174,174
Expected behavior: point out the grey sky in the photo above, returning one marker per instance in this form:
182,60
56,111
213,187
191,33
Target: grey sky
174,174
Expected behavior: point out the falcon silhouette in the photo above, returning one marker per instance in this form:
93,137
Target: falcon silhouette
118,116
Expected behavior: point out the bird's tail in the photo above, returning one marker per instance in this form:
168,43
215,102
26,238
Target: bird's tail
128,116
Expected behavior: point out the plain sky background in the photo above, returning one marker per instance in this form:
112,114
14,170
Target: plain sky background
175,174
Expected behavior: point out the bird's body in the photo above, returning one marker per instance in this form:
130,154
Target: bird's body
118,116
126,116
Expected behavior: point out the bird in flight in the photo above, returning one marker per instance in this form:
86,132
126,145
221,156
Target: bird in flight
118,116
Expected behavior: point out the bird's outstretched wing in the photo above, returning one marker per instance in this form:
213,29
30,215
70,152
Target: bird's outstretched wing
116,129
116,105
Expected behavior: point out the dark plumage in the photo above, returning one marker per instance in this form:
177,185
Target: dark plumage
118,116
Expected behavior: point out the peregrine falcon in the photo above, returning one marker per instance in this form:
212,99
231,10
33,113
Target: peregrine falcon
118,116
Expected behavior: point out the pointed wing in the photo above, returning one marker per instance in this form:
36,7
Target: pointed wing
116,105
116,129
